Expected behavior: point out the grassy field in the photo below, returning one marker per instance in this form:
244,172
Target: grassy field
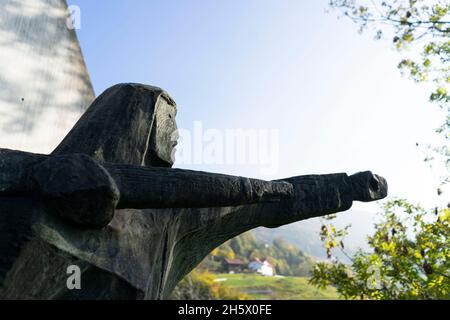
275,288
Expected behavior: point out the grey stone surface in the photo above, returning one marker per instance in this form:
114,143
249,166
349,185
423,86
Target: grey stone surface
108,201
44,84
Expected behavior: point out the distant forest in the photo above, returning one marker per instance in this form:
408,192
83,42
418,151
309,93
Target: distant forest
286,258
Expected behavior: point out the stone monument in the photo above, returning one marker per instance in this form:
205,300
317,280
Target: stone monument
107,200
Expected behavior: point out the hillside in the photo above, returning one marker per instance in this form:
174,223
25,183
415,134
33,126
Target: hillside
293,250
275,288
286,259
305,234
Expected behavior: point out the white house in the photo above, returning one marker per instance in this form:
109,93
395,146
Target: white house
262,267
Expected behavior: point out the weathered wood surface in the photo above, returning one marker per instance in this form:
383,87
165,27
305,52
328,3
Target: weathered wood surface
143,253
81,190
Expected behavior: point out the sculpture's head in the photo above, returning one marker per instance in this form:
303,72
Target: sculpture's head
129,123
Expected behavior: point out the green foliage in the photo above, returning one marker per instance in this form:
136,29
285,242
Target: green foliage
332,238
275,288
201,286
410,257
290,261
420,25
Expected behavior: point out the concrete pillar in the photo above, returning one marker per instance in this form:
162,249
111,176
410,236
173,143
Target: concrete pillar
44,84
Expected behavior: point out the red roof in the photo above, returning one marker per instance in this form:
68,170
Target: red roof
235,262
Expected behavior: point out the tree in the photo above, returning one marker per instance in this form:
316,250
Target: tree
410,257
410,254
420,30
423,25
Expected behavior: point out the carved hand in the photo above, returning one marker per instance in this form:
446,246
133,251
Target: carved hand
319,195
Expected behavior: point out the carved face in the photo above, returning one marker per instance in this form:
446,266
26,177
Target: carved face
164,136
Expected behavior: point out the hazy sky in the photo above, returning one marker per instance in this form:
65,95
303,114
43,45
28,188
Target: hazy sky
335,97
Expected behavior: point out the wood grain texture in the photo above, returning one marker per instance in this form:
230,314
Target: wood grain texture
144,252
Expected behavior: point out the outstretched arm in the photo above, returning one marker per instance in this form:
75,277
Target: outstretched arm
319,195
314,196
81,190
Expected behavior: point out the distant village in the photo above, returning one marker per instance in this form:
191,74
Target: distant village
260,266
248,255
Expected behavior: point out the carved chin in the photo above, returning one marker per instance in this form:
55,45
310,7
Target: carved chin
166,158
155,160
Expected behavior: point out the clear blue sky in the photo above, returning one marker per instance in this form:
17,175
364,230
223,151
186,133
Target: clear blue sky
335,96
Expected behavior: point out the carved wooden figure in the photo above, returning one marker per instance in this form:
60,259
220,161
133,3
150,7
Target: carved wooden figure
108,201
